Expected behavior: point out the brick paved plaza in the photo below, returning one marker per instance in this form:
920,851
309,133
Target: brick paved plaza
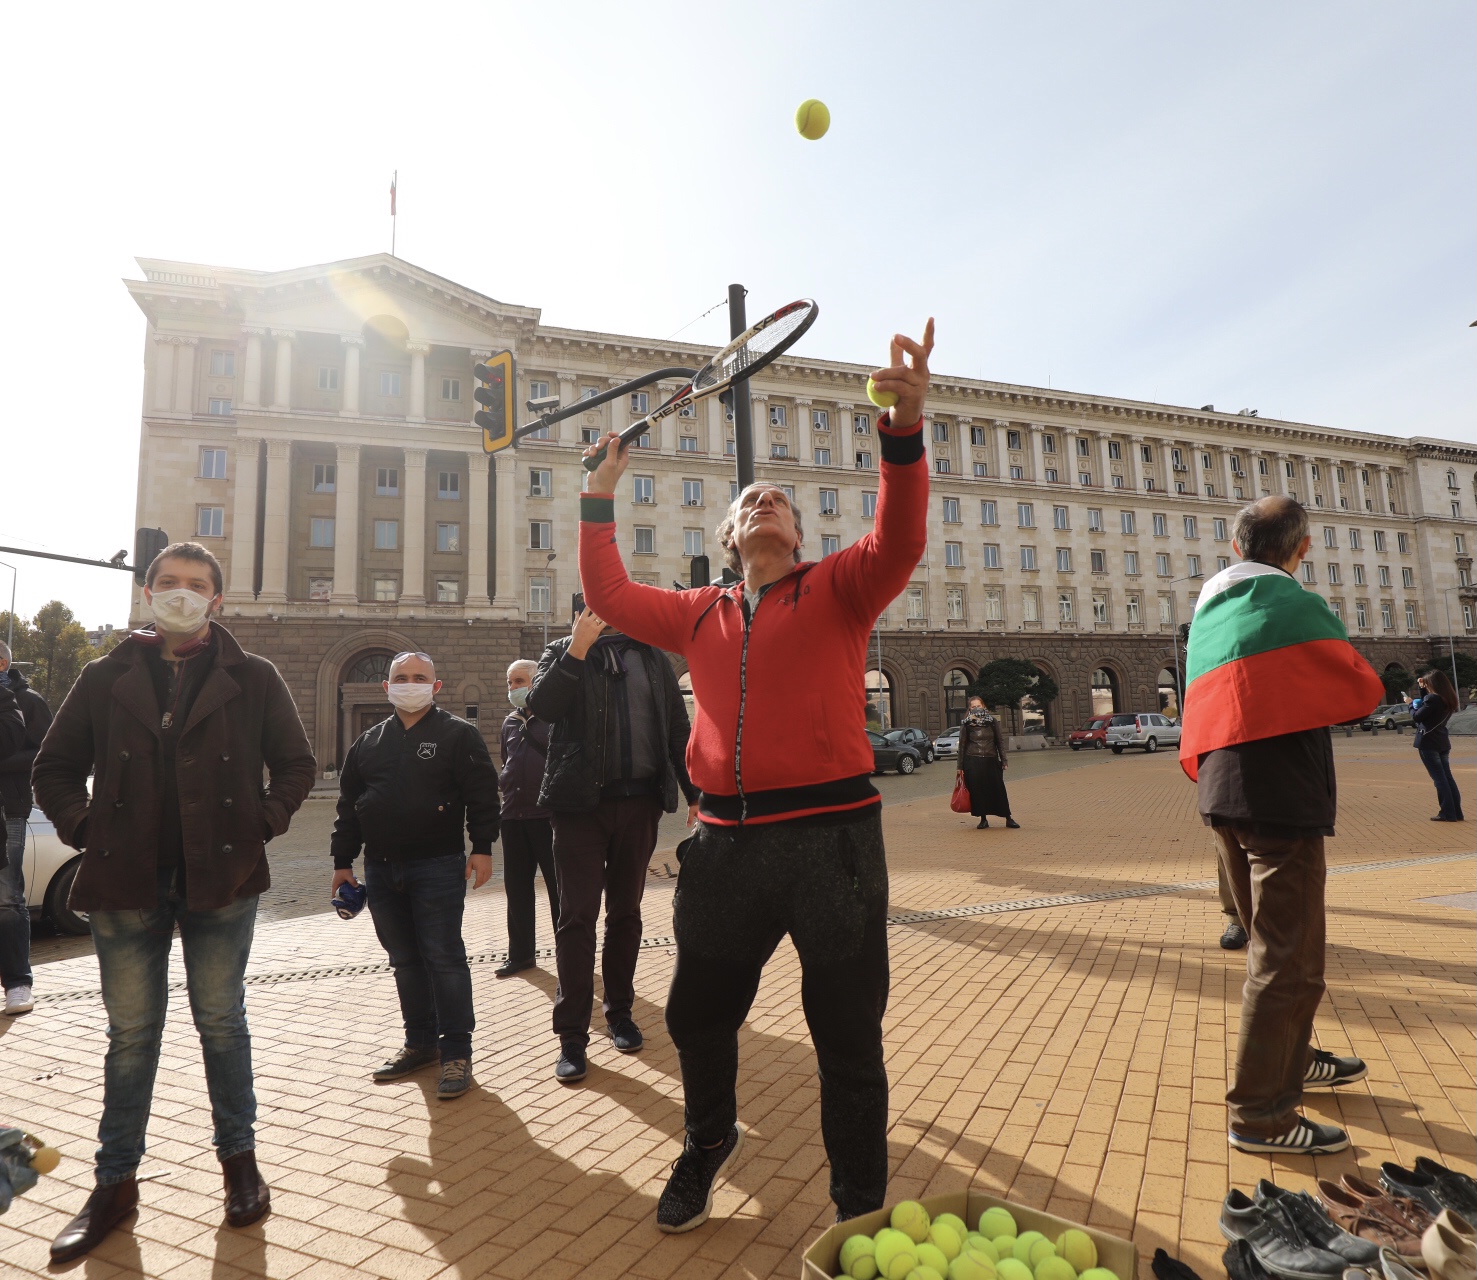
1064,1043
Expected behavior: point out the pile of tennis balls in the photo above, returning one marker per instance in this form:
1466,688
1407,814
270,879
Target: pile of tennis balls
913,1247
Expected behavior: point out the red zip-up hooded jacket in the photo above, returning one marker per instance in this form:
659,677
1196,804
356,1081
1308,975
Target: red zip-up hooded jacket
781,703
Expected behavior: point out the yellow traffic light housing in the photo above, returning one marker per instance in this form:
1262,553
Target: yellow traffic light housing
497,381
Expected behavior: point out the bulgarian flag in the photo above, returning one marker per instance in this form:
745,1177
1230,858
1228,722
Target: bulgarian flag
1267,658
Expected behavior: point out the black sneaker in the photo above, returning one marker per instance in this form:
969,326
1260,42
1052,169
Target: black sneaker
1241,1264
1454,1190
456,1078
407,1060
509,967
1276,1240
1234,937
1425,1187
1328,1072
571,1067
626,1036
1317,1227
1304,1139
688,1198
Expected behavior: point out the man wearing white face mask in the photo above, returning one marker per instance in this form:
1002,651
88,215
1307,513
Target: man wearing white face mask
407,787
528,836
175,725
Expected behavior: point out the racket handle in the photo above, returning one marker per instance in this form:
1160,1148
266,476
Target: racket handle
595,459
625,438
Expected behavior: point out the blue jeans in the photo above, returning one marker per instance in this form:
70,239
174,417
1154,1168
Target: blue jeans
15,918
1438,765
133,957
417,908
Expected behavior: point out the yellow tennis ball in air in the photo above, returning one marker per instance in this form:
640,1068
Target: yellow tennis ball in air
812,118
996,1222
911,1218
882,399
1077,1248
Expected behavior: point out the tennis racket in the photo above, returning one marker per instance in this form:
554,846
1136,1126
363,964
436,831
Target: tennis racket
757,346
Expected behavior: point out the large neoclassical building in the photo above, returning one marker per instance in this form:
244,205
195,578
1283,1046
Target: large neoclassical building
312,427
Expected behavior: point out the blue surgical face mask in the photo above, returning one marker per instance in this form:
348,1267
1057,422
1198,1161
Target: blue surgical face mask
518,697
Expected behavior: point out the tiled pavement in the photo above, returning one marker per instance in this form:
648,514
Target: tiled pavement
1072,1057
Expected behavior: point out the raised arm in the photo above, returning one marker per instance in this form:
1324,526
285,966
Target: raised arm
650,614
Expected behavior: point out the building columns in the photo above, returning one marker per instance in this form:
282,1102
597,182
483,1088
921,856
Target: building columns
346,526
251,382
568,431
241,588
353,344
1038,456
506,595
282,382
163,373
413,578
1136,463
274,524
418,353
184,375
477,466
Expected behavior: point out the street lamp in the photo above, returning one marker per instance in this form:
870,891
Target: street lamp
549,586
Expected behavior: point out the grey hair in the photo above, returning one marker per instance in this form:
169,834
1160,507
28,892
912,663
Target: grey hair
5,654
724,532
1271,529
526,666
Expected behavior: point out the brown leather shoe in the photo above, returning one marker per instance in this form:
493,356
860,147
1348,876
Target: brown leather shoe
1410,1215
248,1198
1372,1219
106,1207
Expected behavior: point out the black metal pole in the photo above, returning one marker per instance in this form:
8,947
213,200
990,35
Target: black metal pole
743,416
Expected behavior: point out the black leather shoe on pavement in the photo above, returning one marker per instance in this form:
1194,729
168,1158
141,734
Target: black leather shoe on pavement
688,1198
1327,1071
626,1036
1305,1138
1317,1227
509,967
571,1067
106,1207
406,1061
1012,824
1435,1191
1276,1240
1233,938
1241,1264
248,1198
1458,1185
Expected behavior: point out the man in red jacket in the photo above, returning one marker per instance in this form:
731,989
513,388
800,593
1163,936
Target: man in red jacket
790,840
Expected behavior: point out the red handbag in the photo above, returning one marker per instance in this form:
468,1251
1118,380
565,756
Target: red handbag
959,801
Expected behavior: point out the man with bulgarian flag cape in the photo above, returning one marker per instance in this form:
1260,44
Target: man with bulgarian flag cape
1269,668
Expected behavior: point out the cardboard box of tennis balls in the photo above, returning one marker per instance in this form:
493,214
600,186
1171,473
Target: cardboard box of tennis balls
822,1260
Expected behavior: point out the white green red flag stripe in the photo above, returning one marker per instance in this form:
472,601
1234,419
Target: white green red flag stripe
1267,658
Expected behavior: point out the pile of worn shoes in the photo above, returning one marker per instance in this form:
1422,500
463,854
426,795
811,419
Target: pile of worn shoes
1415,1226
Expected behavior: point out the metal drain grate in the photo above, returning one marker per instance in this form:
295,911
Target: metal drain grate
905,917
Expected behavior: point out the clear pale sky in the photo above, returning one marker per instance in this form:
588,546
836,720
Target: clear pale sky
1261,205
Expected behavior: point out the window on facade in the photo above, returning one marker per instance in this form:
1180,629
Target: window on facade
1161,526
451,389
976,435
686,444
822,457
320,590
449,486
830,544
1099,561
1126,522
386,535
1117,482
1459,544
779,451
951,510
389,383
1467,616
869,505
1338,609
1334,574
1410,624
1064,607
1192,566
1330,537
1028,558
1379,540
387,482
320,531
1166,610
639,403
1148,484
861,424
448,591
1308,574
994,604
864,462
212,464
830,502
540,535
1222,562
1407,577
988,513
210,522
325,477
941,433
1025,515
1084,477
538,595
1358,575
1190,528
1219,529
1115,451
222,364
777,415
820,420
1131,609
1094,520
1355,543
1017,473
992,555
644,540
954,603
1131,563
692,493
1361,613
449,537
1099,608
1030,606
915,603
692,542
1161,565
540,483
953,555
1012,439
1051,476
386,589
1064,559
1146,453
1059,518
1387,615
942,466
643,488
1084,449
982,468
1384,575
328,378
591,435
219,408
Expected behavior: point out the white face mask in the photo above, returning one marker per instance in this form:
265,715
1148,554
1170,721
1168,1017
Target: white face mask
519,697
180,612
411,697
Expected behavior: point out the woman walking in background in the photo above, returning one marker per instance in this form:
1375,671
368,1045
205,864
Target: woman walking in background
1430,713
982,762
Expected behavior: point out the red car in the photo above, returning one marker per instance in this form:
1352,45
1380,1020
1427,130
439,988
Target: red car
1094,734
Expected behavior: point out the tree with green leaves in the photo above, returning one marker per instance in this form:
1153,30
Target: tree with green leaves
52,648
1397,680
1007,682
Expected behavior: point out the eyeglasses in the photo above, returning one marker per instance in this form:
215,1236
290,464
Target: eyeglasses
410,653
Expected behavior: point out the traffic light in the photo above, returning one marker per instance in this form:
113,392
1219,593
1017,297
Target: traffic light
699,571
496,387
147,543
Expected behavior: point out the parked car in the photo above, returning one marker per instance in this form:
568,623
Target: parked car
50,868
1387,716
892,755
947,743
1093,734
1145,729
915,738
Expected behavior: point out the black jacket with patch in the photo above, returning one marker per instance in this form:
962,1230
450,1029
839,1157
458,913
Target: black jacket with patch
15,770
405,793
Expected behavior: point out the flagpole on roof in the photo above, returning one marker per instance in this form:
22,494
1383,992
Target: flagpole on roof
394,179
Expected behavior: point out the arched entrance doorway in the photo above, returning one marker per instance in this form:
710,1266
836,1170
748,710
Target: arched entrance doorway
1105,698
1169,698
956,701
362,700
879,701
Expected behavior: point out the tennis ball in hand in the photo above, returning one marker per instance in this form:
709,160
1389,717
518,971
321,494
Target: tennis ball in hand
1013,1269
894,1254
945,1239
911,1218
859,1258
971,1265
996,1222
1024,1243
930,1255
1053,1268
812,118
1077,1248
882,399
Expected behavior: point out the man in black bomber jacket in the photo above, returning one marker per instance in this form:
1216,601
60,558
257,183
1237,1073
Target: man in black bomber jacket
408,785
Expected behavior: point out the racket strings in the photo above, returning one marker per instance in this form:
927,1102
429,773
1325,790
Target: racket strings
773,338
